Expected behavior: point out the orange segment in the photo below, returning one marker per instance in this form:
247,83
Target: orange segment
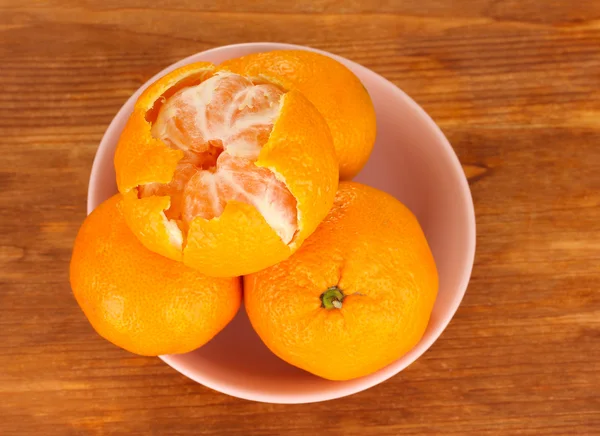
227,109
174,189
305,165
238,179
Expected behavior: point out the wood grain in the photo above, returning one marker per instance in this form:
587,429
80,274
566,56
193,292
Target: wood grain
515,85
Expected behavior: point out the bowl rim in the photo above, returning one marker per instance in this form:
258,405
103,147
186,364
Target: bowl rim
384,373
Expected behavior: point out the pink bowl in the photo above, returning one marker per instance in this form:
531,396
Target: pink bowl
413,161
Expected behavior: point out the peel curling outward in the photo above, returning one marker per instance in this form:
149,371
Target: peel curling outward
223,172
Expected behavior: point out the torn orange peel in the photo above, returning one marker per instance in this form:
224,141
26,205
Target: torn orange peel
235,238
146,159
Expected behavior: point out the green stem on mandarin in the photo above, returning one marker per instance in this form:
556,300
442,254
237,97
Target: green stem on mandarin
332,298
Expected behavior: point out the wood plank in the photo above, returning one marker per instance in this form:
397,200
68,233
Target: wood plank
515,85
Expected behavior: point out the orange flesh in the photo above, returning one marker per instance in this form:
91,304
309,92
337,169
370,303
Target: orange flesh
221,126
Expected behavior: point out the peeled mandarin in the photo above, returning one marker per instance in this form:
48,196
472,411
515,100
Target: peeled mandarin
226,173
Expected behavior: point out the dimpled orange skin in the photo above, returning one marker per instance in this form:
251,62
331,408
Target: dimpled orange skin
300,150
370,247
334,90
139,300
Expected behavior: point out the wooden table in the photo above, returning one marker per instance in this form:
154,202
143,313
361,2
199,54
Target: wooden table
514,84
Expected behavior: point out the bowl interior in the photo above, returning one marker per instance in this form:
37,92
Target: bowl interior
413,161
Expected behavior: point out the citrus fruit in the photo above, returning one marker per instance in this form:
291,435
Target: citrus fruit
139,300
334,90
226,173
355,297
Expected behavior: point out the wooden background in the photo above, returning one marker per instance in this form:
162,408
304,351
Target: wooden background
514,84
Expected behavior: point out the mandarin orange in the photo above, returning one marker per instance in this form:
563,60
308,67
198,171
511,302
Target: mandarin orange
334,90
226,173
355,297
139,300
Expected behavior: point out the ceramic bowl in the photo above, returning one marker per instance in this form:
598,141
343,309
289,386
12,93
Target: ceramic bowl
413,161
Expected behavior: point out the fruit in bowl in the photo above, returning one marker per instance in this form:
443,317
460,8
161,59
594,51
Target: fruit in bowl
139,300
193,179
355,297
